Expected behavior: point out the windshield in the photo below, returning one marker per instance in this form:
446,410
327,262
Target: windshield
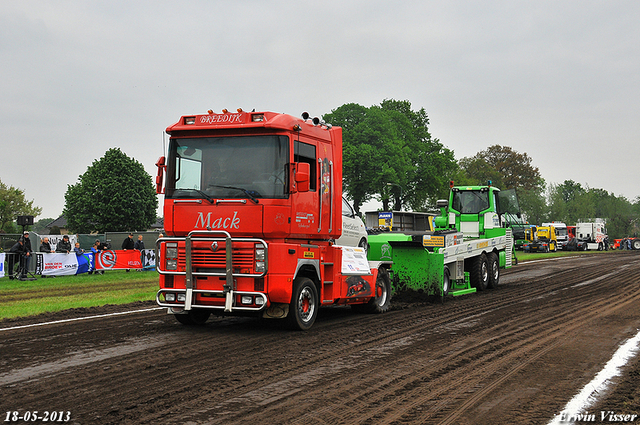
470,201
228,167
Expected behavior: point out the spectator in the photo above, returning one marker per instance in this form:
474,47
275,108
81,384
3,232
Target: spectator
15,253
139,245
95,249
77,249
45,246
64,246
128,242
26,253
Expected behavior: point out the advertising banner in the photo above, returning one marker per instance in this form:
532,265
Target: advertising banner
56,264
118,259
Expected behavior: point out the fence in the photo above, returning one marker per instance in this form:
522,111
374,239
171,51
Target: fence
112,239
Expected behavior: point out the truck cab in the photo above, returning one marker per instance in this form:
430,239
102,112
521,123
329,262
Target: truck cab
541,239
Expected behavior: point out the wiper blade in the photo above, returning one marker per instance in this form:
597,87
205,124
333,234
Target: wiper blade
207,197
250,193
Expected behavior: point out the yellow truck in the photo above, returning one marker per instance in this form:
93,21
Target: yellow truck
540,239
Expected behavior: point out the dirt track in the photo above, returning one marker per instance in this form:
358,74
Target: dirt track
511,355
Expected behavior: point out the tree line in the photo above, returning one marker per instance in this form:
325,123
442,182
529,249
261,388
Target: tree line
389,155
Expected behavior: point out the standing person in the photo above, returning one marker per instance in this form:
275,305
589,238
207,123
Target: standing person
95,249
139,245
64,246
26,254
77,249
45,246
128,244
15,253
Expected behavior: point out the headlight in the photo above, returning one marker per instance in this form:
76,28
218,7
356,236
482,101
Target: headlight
172,264
182,298
171,253
259,266
170,297
246,299
259,301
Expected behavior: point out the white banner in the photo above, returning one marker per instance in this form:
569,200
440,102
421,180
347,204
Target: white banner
59,264
2,264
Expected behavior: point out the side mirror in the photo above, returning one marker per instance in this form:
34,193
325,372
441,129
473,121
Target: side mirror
160,177
302,176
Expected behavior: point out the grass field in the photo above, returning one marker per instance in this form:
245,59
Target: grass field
26,298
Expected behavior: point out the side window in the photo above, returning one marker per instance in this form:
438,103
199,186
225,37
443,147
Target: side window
304,152
347,211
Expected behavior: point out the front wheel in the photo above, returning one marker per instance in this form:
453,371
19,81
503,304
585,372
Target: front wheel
303,308
635,244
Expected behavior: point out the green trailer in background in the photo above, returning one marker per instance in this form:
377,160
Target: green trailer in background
463,252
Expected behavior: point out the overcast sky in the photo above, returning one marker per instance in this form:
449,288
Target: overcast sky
558,80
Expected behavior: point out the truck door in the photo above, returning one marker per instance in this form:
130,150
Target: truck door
305,214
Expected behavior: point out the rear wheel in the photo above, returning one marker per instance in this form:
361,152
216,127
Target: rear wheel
635,244
303,308
494,270
382,298
480,273
194,317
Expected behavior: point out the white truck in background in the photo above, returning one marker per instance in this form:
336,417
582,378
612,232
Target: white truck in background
594,234
562,235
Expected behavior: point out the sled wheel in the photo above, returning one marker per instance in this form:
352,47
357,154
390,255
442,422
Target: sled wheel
480,273
303,308
194,317
494,270
446,282
382,298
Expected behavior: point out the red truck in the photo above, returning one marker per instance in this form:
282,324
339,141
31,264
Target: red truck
252,209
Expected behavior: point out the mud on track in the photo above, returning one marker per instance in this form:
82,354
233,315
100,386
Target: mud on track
515,354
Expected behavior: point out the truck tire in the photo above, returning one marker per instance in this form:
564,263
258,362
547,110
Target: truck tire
635,244
600,246
196,317
480,272
382,298
446,282
494,270
304,305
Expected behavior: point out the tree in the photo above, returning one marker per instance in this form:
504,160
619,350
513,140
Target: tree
12,204
388,153
40,226
114,194
506,168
